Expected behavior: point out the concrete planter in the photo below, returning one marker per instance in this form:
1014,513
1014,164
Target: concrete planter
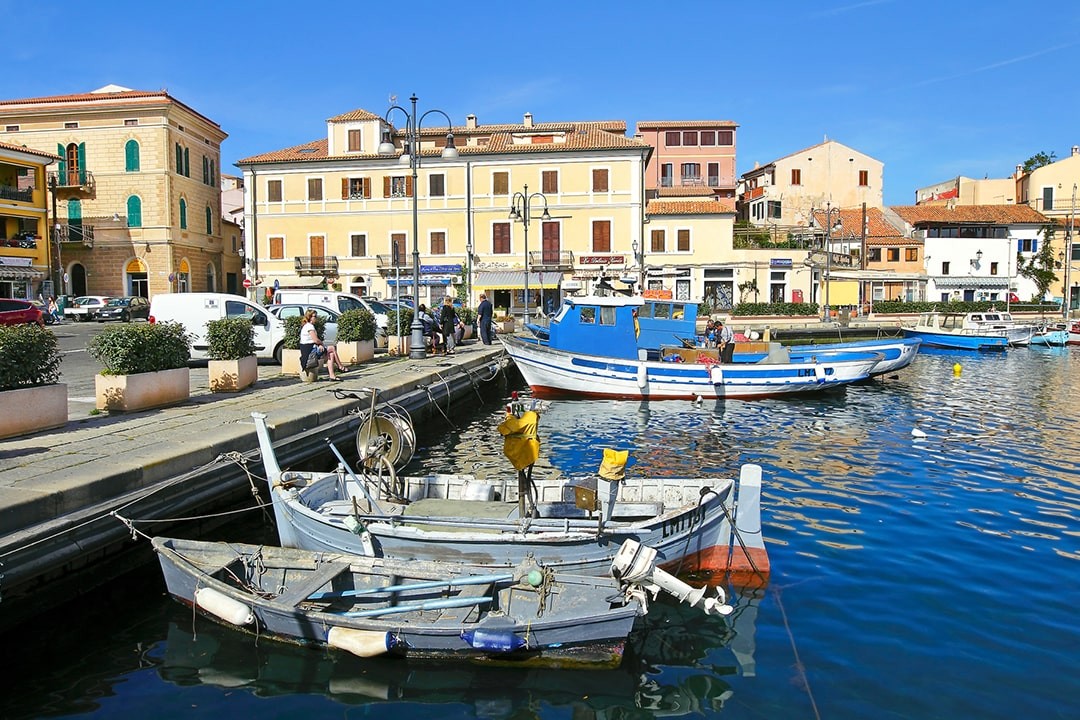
467,335
233,375
290,362
142,391
354,353
50,409
506,326
397,344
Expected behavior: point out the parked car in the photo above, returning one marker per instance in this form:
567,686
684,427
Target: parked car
19,312
125,309
286,310
338,301
194,310
85,307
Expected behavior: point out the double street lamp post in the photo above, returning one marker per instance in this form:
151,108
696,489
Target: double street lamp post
828,249
417,351
521,209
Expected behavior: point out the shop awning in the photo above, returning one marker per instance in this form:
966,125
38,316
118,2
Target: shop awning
971,282
290,281
20,273
515,280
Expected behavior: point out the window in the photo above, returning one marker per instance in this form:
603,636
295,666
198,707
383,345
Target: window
708,138
277,248
355,188
667,173
397,186
607,315
358,245
689,137
656,241
131,121
437,185
314,189
437,242
179,159
209,221
601,236
183,214
500,238
911,254
945,268
796,176
893,254
549,181
599,180
500,183
682,240
131,156
205,170
673,139
213,172
1048,198
1027,244
691,172
993,268
587,316
775,207
725,137
873,255
864,178
714,174
134,211
273,191
355,144
187,163
11,128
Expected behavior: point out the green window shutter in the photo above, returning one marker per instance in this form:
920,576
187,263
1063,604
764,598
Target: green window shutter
131,156
61,170
74,212
82,163
213,173
183,214
205,170
209,221
187,162
134,212
179,159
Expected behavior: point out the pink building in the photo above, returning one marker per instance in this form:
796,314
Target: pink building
690,158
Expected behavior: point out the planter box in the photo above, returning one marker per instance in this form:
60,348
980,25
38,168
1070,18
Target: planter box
50,409
142,391
354,353
468,333
397,344
233,375
290,362
506,326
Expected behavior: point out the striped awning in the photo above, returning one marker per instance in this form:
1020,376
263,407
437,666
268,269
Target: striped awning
971,282
515,279
20,273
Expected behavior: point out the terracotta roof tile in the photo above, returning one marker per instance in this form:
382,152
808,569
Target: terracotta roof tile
664,124
31,151
685,191
989,214
358,114
879,230
687,207
93,99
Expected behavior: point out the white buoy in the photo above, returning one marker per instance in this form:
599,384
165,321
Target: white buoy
362,643
917,433
222,606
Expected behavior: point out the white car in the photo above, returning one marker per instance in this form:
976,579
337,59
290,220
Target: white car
85,307
330,317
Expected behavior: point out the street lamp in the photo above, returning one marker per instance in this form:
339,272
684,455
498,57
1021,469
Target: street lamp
828,247
1066,303
417,351
521,209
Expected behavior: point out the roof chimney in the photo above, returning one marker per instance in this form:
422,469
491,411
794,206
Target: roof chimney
528,120
1019,170
1075,150
470,121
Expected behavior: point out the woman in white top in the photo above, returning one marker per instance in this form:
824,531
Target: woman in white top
309,339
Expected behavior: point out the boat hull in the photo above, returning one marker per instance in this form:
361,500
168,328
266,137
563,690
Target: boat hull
553,372
896,353
958,341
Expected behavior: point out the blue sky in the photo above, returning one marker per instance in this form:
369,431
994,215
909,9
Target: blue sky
932,89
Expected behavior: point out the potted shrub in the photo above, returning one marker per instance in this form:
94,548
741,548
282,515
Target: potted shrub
504,322
398,317
145,366
29,378
231,346
356,336
290,356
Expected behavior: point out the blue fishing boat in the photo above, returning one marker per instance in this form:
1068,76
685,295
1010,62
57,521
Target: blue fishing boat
948,330
896,353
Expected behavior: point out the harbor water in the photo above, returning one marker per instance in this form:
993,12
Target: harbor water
923,530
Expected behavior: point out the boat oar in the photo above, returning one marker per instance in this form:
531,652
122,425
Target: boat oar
449,582
363,487
416,607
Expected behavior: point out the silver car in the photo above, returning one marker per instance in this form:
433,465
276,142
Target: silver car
330,317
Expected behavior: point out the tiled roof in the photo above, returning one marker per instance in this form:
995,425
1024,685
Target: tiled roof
687,207
877,226
358,114
988,214
685,191
667,124
92,99
31,151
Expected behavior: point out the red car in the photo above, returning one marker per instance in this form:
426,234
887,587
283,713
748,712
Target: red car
19,312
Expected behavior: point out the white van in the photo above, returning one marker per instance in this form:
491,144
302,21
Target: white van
194,310
335,301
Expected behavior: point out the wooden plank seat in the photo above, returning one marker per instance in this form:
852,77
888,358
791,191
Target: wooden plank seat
299,592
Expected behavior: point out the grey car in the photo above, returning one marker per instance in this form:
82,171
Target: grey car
124,309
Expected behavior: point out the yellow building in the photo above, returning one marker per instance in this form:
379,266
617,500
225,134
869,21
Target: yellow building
337,211
24,254
135,200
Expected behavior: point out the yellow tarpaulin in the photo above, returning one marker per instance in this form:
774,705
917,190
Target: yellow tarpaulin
521,444
843,292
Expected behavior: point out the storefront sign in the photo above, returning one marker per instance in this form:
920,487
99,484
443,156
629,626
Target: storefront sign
780,262
440,269
602,259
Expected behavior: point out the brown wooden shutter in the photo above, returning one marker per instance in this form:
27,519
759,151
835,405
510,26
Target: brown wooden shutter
600,180
344,188
601,236
367,187
386,186
408,185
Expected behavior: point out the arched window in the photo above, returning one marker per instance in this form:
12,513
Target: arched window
211,278
134,211
131,156
209,221
183,214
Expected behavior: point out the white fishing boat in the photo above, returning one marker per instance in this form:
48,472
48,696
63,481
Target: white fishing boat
952,331
995,321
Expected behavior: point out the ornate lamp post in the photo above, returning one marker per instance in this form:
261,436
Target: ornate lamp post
828,248
417,351
521,209
1066,304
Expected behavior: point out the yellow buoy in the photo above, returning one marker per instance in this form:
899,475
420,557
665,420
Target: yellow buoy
956,369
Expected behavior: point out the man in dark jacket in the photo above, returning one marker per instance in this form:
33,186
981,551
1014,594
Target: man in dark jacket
483,319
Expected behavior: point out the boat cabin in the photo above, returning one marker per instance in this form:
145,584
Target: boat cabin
620,326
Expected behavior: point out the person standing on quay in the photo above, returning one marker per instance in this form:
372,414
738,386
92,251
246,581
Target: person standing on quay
483,319
448,320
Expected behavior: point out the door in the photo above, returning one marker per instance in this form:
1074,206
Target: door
550,247
318,250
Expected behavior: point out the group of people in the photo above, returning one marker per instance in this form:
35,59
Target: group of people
719,335
444,330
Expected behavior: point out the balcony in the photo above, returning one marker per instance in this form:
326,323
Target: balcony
551,261
385,263
26,241
9,192
72,180
67,233
317,265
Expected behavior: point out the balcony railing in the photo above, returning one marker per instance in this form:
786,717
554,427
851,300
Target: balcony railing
561,260
9,192
68,233
322,265
81,179
385,263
